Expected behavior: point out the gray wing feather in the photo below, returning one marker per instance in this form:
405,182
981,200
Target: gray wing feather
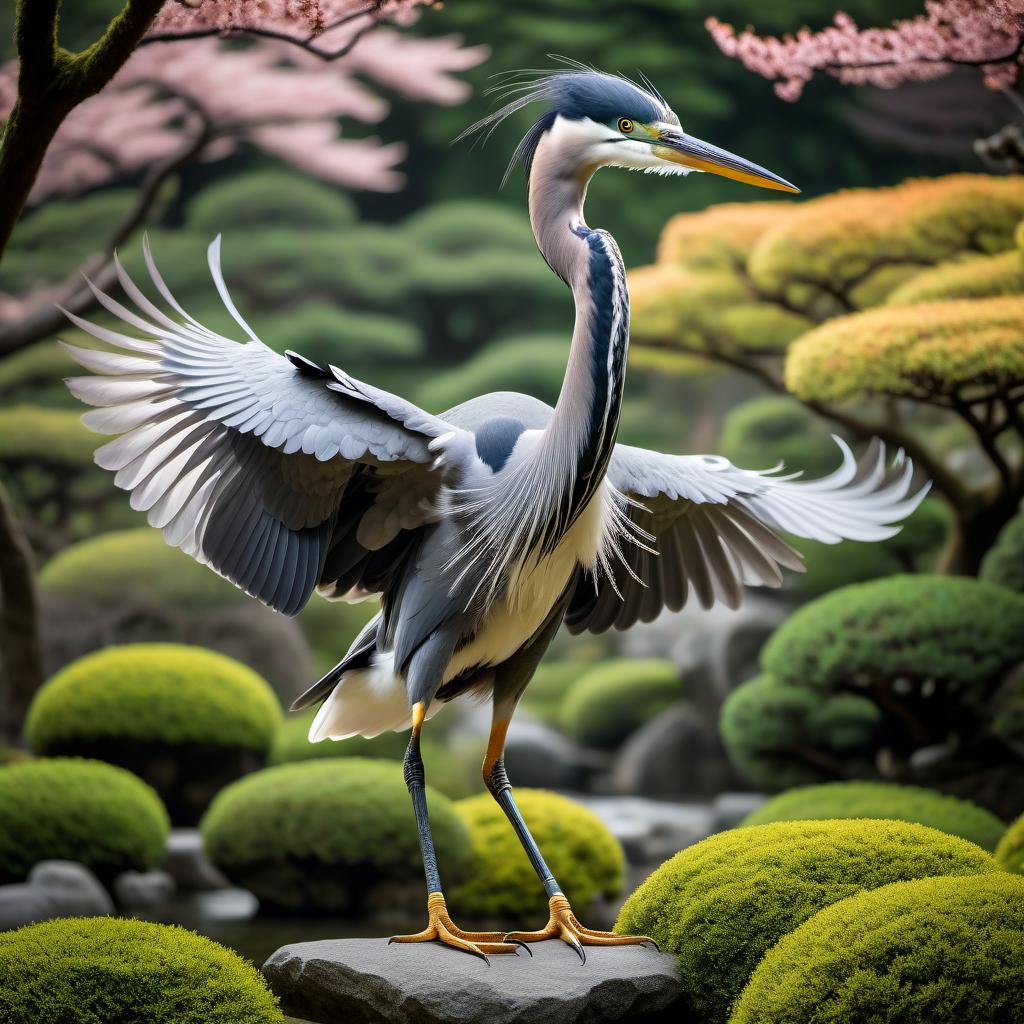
716,528
240,455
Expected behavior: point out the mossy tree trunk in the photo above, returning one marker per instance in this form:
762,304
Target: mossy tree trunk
51,83
21,657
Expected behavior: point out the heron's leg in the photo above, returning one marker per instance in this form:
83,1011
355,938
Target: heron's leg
439,925
562,923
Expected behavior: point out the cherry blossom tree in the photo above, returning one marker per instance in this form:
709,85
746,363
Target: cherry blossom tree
987,34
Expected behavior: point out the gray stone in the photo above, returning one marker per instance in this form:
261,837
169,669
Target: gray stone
143,890
651,830
55,888
366,981
729,809
537,755
675,754
186,862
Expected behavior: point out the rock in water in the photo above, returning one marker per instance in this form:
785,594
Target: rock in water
366,981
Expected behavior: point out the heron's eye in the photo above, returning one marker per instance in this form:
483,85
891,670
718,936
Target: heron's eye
625,125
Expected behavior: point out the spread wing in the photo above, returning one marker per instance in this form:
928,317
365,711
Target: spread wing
716,528
254,463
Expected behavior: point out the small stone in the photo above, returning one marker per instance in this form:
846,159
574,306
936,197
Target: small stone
537,755
55,888
22,904
186,862
729,809
143,890
360,981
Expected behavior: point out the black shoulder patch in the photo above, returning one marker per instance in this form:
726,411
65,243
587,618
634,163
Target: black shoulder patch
495,440
306,366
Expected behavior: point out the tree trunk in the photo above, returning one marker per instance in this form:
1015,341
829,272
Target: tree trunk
974,533
21,656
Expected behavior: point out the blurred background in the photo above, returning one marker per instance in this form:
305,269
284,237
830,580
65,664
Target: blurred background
886,300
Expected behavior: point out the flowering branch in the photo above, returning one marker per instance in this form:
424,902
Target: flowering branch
987,34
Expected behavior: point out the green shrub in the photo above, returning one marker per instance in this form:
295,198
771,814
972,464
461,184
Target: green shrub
292,744
185,719
976,278
883,800
582,854
610,701
1010,851
72,809
100,970
136,567
328,835
932,951
767,727
720,905
1004,561
13,755
549,685
763,431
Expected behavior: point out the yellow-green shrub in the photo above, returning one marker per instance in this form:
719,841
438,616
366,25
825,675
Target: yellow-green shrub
1010,851
719,237
582,854
72,809
979,277
721,905
105,970
931,951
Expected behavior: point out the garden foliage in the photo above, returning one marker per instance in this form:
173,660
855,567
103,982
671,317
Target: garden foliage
74,809
92,970
1010,851
721,905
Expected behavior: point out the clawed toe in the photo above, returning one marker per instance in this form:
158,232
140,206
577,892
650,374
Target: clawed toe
441,928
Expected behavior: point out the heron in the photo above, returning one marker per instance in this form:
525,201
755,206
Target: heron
482,530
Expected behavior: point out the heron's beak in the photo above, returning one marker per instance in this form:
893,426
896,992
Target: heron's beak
680,148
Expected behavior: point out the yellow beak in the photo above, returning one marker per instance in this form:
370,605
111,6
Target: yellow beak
679,148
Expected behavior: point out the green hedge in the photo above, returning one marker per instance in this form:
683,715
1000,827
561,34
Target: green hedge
155,693
328,835
610,701
883,800
72,809
136,567
1010,851
580,850
105,970
932,951
721,905
1004,561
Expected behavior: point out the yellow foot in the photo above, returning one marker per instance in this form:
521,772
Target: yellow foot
441,928
562,924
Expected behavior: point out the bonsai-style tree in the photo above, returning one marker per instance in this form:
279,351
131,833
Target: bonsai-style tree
896,312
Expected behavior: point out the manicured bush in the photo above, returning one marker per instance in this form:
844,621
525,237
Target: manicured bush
292,743
610,701
883,800
548,687
329,835
582,854
72,809
720,905
1010,851
931,951
106,970
1004,562
975,278
185,719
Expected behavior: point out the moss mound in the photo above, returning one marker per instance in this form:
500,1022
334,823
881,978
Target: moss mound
329,835
1004,561
610,701
185,719
883,800
720,905
292,744
93,970
582,854
932,951
71,809
1010,850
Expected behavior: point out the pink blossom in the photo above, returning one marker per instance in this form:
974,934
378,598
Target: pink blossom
988,34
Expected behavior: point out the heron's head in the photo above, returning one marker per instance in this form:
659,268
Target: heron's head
598,120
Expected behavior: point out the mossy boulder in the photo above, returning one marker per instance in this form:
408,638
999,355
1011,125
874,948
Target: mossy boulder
580,850
1010,851
86,811
883,800
100,970
931,951
334,835
613,699
721,905
186,720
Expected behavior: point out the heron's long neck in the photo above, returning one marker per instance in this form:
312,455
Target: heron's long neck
581,434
